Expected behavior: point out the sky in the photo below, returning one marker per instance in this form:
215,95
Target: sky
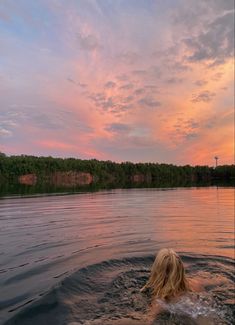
120,80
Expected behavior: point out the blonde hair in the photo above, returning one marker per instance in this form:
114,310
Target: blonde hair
167,278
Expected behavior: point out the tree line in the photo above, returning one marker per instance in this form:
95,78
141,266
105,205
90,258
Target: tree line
11,167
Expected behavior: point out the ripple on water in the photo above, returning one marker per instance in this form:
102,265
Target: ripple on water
109,291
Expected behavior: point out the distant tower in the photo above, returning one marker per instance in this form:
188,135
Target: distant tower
216,161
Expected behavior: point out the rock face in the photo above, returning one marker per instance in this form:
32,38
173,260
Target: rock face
63,179
28,179
70,178
139,178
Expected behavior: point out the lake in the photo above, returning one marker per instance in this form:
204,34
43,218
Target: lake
81,258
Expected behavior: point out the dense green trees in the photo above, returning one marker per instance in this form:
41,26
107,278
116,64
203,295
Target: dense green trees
14,166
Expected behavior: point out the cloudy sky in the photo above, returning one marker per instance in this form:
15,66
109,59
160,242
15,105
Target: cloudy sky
121,80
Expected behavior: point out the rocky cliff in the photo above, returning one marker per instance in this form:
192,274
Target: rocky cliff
64,179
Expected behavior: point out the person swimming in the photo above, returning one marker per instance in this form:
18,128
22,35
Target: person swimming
175,298
172,292
167,278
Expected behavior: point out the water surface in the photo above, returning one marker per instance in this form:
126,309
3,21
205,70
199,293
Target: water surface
97,249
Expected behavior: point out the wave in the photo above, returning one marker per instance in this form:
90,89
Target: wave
110,290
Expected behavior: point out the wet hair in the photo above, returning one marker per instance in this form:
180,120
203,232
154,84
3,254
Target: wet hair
167,279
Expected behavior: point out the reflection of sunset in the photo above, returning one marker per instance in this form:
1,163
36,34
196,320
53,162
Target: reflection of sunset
88,248
198,221
204,217
122,81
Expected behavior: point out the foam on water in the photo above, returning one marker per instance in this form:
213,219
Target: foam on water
188,306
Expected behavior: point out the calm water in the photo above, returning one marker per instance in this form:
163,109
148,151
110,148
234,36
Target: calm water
97,248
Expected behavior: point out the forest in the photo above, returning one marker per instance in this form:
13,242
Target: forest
11,167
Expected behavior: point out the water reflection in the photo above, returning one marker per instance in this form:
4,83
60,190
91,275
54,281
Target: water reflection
44,238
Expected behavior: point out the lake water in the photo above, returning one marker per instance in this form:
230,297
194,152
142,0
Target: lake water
82,258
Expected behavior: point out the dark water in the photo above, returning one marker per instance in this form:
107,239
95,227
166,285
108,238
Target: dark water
81,259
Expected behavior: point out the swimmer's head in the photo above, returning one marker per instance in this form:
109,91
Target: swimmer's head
167,278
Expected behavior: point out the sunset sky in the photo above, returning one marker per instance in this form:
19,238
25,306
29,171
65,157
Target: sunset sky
121,80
